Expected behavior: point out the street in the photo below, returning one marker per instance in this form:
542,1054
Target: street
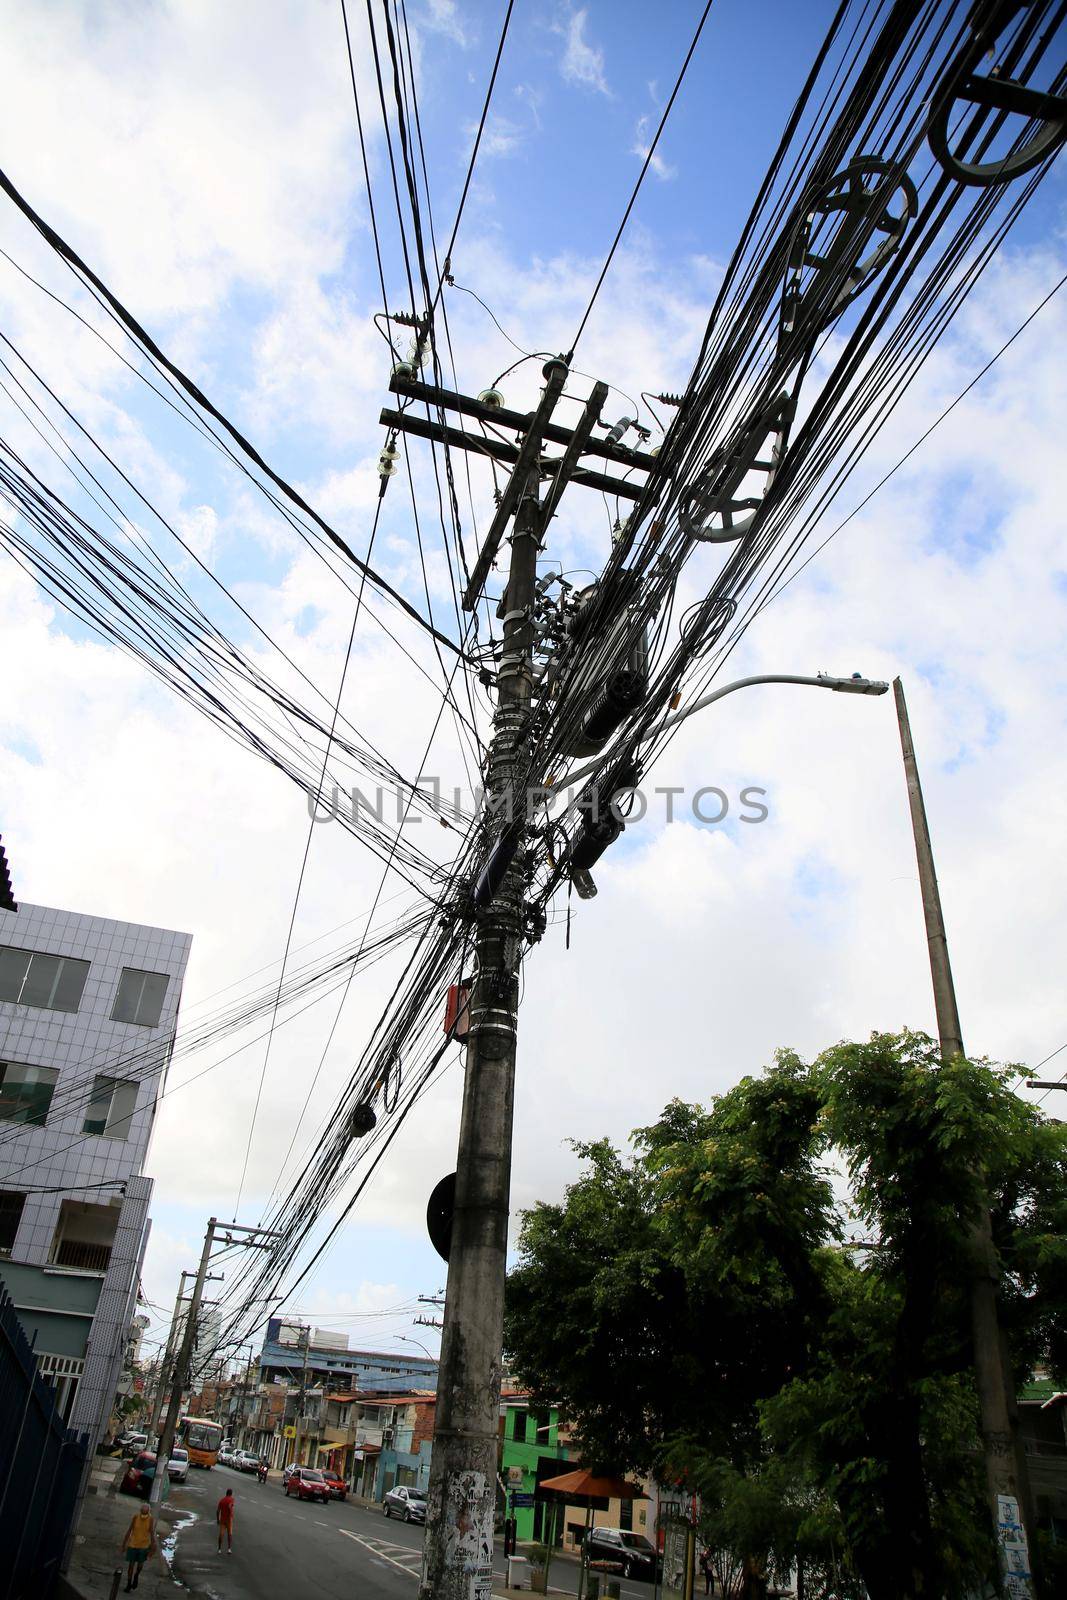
297,1548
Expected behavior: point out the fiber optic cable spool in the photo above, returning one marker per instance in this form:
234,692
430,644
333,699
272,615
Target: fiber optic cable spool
719,505
864,208
993,94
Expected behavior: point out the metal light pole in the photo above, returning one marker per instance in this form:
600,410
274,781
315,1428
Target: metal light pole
1005,1461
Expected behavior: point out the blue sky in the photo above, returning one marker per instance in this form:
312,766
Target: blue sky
205,162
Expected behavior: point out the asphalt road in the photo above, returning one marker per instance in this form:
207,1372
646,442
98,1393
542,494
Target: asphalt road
288,1549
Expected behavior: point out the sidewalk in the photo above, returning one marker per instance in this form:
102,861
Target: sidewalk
98,1553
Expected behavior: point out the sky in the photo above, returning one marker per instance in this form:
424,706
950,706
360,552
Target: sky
205,161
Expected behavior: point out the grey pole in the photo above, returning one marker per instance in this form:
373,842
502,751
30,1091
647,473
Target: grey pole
181,1369
461,1498
165,1364
300,1429
1005,1462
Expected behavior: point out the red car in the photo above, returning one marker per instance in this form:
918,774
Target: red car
307,1483
337,1486
137,1479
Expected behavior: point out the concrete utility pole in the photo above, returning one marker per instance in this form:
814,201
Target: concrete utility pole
461,1499
1005,1462
181,1367
165,1370
165,1364
300,1430
253,1239
458,1549
462,1491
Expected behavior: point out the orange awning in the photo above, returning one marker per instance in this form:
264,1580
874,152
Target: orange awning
584,1485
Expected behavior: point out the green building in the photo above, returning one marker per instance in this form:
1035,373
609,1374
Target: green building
529,1446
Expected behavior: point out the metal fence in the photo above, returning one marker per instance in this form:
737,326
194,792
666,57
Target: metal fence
41,1463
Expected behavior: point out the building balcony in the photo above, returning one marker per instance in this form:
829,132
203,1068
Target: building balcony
84,1236
77,1254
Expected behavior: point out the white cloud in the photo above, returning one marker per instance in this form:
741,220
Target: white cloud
443,16
581,63
705,949
501,135
640,147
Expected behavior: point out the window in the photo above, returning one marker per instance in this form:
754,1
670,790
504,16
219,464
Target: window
140,997
11,1205
626,1514
111,1108
26,1092
519,1433
31,978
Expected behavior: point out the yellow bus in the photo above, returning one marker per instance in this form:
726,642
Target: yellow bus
201,1437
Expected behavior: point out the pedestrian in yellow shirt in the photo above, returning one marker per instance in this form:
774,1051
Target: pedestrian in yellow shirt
139,1544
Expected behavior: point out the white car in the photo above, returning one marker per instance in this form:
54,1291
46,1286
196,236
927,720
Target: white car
178,1465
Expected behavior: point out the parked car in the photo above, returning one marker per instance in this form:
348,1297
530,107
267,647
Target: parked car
132,1443
137,1479
407,1503
307,1483
337,1486
634,1553
178,1465
246,1461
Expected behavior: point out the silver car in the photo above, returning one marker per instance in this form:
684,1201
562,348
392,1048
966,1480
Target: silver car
407,1503
178,1465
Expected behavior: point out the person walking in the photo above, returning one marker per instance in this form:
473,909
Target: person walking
224,1518
138,1545
707,1570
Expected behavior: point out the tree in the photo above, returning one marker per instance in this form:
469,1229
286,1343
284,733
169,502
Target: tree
696,1310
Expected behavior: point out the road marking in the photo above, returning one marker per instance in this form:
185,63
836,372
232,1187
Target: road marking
375,1548
319,1524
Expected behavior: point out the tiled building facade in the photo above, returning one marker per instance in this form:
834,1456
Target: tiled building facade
88,1009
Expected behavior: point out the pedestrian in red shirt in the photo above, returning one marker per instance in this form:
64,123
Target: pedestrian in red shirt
224,1518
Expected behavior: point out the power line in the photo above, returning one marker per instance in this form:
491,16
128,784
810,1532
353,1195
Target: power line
142,337
640,179
307,852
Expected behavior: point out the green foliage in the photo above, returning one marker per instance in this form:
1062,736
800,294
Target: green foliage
695,1311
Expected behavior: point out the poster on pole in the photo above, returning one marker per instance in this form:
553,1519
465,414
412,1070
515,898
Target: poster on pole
481,1587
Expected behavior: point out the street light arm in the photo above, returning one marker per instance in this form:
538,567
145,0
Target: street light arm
853,685
405,1340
